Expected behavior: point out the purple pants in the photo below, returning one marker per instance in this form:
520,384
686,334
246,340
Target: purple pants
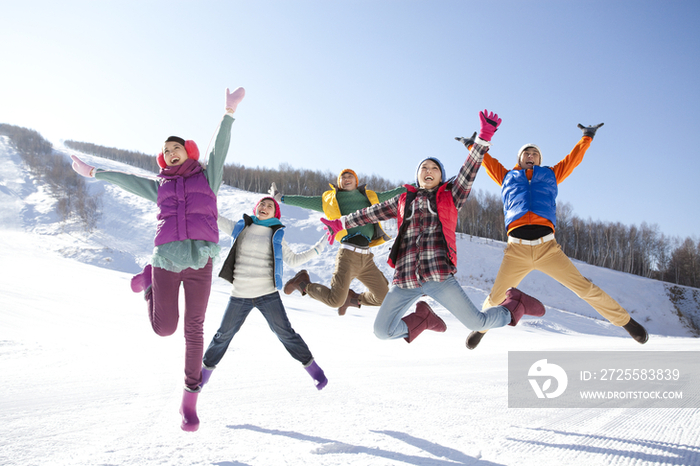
164,313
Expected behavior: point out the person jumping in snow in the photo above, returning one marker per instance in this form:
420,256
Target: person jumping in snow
424,253
185,242
529,193
254,268
354,259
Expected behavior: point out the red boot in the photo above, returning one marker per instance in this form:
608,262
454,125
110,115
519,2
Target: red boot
188,410
423,319
520,304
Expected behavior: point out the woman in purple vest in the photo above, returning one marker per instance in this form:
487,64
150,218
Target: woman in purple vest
185,243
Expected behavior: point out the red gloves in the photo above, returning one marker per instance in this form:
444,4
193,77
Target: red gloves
489,124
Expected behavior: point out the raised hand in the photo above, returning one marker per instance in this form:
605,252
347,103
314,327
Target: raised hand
276,195
489,124
589,130
333,227
82,168
233,99
467,141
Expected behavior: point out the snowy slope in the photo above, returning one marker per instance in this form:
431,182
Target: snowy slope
86,381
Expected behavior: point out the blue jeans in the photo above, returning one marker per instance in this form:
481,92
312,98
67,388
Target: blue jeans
389,326
272,309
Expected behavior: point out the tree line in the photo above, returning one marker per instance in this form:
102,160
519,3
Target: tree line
640,250
135,159
289,180
67,187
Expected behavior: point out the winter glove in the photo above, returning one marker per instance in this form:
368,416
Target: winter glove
82,168
467,141
233,99
334,227
589,130
489,124
274,193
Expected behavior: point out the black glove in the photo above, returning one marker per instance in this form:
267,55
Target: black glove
467,141
589,130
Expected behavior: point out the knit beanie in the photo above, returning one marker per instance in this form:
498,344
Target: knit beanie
522,149
442,169
189,145
347,170
278,214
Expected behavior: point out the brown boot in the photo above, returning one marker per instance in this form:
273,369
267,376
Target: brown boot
474,338
300,281
423,319
353,300
520,304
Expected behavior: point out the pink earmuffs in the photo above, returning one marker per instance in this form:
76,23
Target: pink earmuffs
191,149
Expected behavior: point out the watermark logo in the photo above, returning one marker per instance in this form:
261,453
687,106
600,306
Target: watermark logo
604,379
543,370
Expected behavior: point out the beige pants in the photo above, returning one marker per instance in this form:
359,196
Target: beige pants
348,266
519,260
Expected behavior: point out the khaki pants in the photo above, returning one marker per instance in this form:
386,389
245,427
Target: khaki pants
350,265
519,260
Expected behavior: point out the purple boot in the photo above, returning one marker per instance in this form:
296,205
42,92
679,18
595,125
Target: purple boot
317,374
206,374
188,410
520,304
142,281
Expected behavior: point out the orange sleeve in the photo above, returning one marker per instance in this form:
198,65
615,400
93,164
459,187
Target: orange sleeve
494,168
566,166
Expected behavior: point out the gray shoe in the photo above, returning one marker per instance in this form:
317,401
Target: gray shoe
636,331
474,338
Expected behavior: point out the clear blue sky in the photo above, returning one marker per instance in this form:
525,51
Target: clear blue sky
379,85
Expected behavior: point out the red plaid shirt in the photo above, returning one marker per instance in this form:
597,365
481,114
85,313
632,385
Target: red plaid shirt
422,253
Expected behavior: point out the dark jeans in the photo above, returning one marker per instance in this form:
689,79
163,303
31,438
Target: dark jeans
272,309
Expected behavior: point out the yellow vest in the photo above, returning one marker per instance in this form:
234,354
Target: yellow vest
332,211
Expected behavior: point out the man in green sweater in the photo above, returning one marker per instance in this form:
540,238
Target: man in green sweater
354,260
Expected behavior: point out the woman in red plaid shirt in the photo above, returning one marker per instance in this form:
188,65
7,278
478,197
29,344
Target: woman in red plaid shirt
424,253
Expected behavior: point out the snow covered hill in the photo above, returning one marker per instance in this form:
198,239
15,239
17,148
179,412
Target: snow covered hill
85,380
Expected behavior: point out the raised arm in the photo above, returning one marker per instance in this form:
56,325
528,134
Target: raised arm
494,168
386,195
566,166
467,174
225,224
294,259
217,156
135,184
307,202
376,213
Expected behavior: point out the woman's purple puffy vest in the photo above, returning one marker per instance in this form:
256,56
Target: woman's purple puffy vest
187,205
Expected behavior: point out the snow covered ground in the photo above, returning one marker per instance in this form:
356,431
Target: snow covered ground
85,381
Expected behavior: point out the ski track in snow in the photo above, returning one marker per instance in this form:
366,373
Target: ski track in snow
86,382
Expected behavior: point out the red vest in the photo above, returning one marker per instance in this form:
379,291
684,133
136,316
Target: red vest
447,215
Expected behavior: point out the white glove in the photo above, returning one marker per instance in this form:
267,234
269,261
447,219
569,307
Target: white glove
274,193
